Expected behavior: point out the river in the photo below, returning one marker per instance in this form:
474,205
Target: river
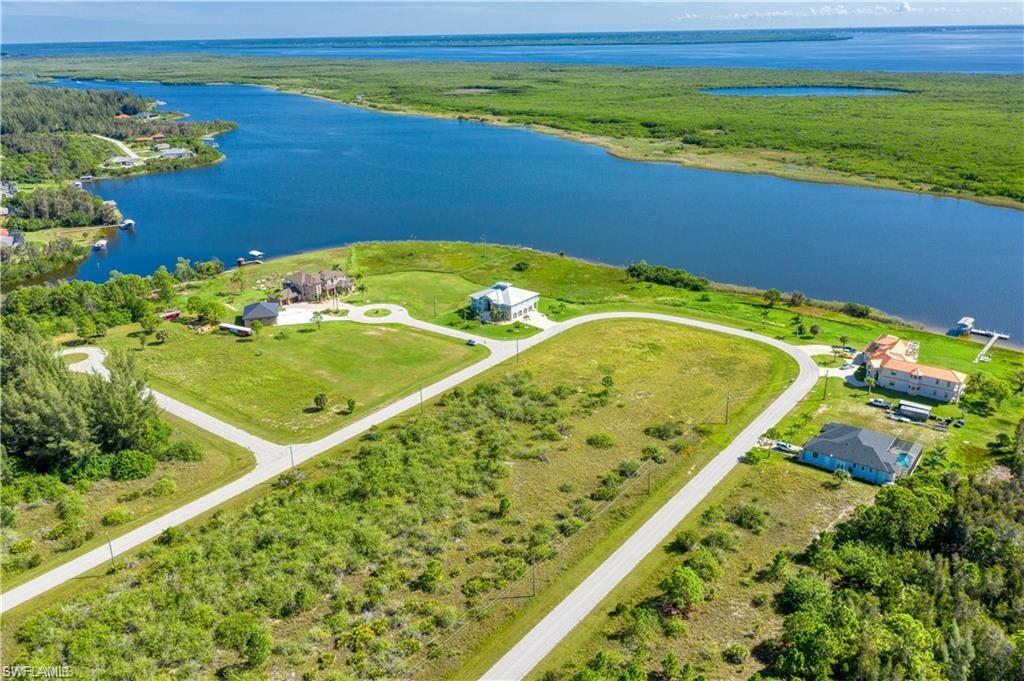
303,173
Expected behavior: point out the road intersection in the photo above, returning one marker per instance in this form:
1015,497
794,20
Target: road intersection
274,459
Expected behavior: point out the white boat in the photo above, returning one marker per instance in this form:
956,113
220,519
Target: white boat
127,223
100,245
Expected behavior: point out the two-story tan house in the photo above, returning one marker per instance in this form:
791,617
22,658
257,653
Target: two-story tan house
307,288
892,363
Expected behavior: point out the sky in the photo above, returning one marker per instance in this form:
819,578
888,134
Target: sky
88,21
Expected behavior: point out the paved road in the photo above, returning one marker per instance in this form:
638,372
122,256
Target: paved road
273,459
543,638
125,149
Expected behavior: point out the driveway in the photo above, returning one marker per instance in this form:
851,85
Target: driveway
272,460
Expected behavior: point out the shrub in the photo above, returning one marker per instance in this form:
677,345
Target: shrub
750,517
629,468
674,627
89,468
805,590
184,450
721,539
704,562
737,653
162,488
132,464
684,541
601,441
521,266
118,515
664,431
712,515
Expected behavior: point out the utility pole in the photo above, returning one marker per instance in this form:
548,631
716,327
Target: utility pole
728,399
825,395
110,547
291,452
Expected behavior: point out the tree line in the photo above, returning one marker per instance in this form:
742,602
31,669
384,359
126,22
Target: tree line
47,207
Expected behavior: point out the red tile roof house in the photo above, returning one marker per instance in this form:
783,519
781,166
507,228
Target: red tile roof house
892,363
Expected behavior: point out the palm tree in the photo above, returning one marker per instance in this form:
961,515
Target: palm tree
844,341
256,327
871,383
318,317
320,400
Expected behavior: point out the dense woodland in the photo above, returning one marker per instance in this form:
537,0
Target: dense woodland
59,207
46,131
63,432
91,308
35,259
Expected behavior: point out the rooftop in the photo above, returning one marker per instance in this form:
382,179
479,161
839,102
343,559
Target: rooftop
867,448
504,293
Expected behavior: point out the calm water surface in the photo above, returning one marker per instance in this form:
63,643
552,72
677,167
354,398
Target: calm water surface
803,91
303,173
979,50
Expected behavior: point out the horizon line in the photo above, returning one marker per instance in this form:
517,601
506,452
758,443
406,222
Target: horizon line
522,34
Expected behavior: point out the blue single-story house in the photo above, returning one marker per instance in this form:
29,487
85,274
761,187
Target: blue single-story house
865,454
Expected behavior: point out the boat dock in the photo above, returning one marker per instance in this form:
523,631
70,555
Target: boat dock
993,336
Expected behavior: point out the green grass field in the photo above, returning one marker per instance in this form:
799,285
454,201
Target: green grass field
949,133
570,287
222,462
266,386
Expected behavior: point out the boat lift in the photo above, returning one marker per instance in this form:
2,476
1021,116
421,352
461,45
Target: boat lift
993,336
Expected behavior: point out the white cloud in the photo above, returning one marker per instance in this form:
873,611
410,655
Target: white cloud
821,11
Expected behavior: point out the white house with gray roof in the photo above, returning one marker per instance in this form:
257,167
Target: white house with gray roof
867,455
503,302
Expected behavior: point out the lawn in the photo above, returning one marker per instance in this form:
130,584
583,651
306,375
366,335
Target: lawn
656,372
222,462
266,385
800,502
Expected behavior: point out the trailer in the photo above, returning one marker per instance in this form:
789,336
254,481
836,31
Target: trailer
235,329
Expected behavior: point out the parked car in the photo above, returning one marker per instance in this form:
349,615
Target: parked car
471,342
897,417
959,423
787,447
879,402
848,365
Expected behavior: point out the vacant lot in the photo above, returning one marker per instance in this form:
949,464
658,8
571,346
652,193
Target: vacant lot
799,502
267,385
387,558
171,485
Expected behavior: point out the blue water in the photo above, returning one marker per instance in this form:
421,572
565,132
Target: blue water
979,50
803,91
303,173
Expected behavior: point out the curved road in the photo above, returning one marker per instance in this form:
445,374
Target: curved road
274,459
